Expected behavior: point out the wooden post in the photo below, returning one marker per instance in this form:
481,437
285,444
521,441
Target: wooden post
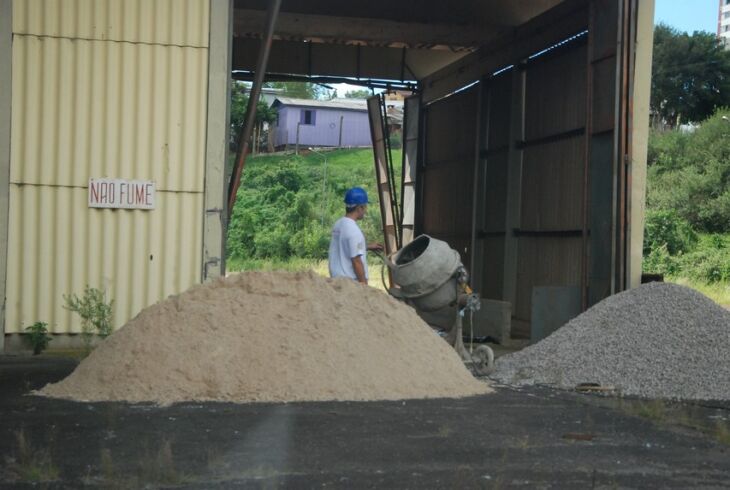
296,146
339,142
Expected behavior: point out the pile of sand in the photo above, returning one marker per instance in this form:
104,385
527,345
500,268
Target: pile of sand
656,341
271,336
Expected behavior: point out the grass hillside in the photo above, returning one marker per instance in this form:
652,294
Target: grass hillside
287,204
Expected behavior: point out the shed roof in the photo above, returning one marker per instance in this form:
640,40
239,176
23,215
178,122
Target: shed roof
341,104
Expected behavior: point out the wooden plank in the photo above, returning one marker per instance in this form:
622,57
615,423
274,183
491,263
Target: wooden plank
411,117
385,196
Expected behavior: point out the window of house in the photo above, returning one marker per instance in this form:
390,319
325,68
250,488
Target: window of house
307,116
726,15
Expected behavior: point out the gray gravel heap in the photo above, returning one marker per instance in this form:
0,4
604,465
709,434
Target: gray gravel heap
656,341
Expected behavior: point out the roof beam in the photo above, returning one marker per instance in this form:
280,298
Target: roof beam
300,58
567,19
369,32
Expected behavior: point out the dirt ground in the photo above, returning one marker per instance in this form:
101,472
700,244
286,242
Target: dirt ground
530,438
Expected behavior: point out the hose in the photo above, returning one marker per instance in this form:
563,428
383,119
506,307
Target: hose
383,264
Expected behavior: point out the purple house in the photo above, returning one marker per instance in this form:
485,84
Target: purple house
336,122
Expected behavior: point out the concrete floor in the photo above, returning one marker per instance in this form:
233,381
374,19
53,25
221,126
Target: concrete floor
532,438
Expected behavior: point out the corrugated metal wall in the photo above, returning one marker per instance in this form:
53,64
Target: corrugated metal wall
529,196
111,89
446,178
553,162
491,225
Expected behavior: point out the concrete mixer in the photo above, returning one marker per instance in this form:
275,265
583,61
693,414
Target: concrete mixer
428,275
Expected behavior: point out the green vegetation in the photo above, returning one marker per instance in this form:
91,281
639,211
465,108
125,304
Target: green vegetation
287,204
688,207
95,313
690,76
38,337
30,464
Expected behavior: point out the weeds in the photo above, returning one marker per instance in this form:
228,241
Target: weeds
30,464
38,337
722,432
107,465
95,313
160,467
653,410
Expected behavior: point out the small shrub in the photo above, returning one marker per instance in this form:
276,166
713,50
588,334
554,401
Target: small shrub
707,264
31,464
95,313
312,242
666,228
38,337
660,261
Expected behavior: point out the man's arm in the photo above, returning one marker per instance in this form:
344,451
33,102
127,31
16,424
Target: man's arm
359,269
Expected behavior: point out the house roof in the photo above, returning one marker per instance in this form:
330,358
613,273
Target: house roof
342,104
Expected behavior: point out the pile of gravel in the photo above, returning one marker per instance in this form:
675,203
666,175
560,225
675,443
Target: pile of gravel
656,341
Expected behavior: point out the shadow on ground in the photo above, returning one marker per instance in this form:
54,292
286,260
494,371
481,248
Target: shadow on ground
533,438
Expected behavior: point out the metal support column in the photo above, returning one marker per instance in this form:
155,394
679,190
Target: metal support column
514,186
6,82
216,142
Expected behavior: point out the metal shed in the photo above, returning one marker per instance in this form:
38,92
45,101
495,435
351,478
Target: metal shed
133,90
525,146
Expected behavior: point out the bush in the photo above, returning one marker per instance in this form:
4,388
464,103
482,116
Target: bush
38,337
690,174
95,313
666,229
709,262
311,242
272,243
659,261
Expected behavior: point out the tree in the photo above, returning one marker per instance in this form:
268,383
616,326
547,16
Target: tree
239,103
358,94
691,75
301,90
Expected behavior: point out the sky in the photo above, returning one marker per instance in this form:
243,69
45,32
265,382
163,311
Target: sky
687,15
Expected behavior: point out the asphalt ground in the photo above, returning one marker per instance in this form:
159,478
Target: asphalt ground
528,438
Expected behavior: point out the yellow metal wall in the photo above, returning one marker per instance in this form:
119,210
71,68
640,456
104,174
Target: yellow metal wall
104,88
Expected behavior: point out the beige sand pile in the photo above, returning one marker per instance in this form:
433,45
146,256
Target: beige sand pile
271,336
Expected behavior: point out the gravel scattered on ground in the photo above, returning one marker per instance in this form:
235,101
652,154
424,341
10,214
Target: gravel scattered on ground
271,337
655,341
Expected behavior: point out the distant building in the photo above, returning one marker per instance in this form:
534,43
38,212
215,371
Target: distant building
723,22
337,122
268,94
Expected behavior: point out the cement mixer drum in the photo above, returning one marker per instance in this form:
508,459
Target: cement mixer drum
432,279
425,270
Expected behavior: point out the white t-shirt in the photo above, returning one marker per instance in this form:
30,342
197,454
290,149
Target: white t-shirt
347,242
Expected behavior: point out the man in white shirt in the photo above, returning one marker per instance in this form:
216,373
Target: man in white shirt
348,248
